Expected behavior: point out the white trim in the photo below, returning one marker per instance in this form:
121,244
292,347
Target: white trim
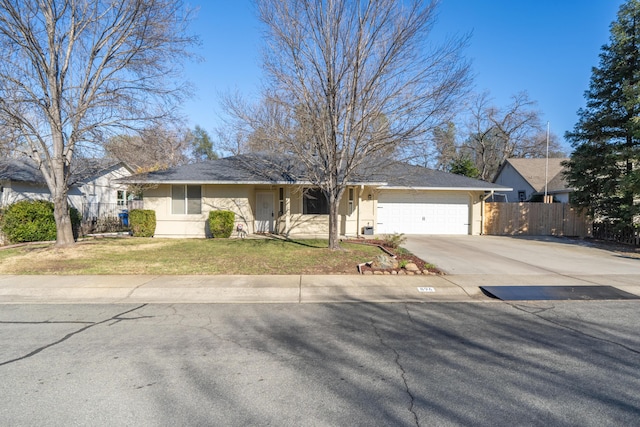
191,182
388,187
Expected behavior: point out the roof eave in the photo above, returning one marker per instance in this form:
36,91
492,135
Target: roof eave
221,182
397,187
227,182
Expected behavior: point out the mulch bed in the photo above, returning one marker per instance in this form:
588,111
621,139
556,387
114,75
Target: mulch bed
400,256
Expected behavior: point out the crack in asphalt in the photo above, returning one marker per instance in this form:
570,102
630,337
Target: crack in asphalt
117,318
45,322
403,374
537,314
406,309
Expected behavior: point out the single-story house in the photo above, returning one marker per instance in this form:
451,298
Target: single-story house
93,184
526,177
272,195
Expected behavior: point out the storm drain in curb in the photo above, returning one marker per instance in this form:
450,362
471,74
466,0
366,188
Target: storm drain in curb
539,293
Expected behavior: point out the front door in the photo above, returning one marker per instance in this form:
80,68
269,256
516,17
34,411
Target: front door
264,212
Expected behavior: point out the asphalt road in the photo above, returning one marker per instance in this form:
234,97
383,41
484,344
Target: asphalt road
490,363
492,255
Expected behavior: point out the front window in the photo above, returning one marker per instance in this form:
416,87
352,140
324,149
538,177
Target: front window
122,198
314,202
186,199
522,196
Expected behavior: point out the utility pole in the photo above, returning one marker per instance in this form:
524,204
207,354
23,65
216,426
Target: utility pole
546,168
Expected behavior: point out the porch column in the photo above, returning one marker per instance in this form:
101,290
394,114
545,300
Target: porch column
287,209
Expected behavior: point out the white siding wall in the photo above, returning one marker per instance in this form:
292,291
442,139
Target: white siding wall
101,189
510,178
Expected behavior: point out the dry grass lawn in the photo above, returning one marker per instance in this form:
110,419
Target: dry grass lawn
186,256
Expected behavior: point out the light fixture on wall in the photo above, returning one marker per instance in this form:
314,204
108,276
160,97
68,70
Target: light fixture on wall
369,197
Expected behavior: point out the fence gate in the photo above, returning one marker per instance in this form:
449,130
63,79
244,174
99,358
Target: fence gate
535,219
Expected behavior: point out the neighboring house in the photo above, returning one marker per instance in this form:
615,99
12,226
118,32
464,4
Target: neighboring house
526,177
273,195
93,186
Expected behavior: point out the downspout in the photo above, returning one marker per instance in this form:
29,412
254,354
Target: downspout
358,212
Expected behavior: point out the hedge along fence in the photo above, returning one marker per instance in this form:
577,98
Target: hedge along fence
142,222
33,221
221,223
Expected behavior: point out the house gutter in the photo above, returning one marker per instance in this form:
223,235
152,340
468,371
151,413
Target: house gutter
492,189
193,182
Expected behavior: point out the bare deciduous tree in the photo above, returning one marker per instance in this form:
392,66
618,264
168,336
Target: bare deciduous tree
73,70
253,127
356,80
154,148
495,135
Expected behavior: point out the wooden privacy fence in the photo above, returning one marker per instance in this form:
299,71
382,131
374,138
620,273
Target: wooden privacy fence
535,219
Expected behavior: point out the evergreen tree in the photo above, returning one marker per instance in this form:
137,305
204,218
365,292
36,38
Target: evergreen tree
444,139
464,166
606,139
201,145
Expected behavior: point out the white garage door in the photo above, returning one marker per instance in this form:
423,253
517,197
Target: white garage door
414,212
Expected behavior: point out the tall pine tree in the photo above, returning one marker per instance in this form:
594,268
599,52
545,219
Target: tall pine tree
604,165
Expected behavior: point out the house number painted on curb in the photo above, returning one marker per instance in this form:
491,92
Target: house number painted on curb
426,289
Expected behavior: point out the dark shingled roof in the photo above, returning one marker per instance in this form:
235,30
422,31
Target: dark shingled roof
271,169
398,174
26,170
236,169
20,170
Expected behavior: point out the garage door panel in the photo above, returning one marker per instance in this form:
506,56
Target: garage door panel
422,213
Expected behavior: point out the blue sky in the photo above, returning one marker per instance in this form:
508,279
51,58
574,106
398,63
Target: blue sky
544,47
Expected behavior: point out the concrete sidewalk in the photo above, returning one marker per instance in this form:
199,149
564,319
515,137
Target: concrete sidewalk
52,289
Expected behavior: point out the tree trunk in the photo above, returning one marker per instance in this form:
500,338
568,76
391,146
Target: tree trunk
64,230
334,238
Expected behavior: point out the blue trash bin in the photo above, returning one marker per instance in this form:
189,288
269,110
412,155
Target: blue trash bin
124,217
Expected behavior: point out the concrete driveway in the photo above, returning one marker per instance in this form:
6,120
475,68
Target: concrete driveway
501,255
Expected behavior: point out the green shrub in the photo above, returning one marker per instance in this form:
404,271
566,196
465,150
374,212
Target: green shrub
76,222
33,221
221,223
394,240
142,222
